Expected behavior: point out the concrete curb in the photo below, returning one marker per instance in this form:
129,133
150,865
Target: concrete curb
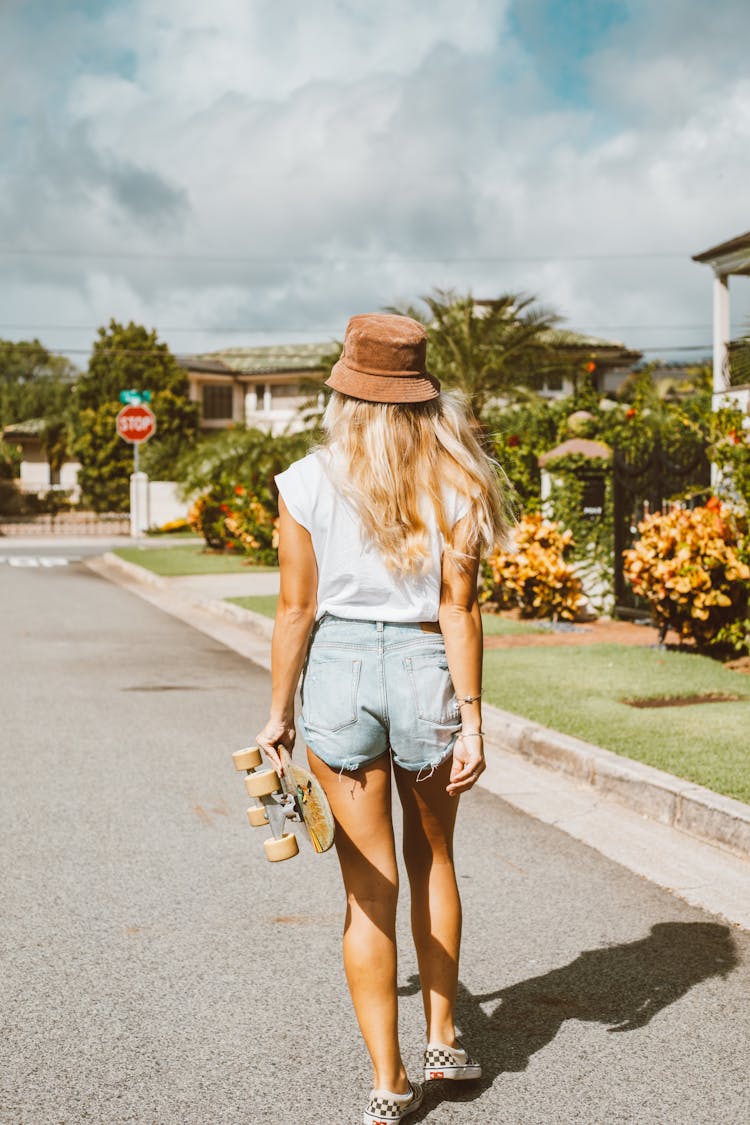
653,793
261,626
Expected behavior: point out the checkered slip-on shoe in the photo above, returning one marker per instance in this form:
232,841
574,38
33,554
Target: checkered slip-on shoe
449,1062
385,1108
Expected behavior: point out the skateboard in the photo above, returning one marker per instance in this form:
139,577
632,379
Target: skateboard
296,795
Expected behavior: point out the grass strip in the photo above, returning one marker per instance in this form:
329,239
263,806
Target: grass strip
183,559
496,626
258,603
579,690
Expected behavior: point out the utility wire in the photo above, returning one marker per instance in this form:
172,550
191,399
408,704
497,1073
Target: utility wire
299,331
332,258
706,348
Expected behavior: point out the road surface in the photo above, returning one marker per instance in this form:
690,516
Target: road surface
156,970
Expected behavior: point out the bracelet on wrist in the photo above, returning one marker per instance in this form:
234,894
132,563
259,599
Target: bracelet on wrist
472,734
469,699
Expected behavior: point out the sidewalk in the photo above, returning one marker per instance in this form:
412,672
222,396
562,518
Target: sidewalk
679,835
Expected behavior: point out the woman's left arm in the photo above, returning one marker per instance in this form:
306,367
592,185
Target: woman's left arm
295,617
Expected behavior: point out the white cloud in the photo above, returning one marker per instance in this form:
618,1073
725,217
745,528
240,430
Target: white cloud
334,147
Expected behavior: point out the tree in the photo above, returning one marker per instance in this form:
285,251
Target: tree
125,358
35,385
488,349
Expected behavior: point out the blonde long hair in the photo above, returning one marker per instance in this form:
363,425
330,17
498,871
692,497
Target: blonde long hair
388,457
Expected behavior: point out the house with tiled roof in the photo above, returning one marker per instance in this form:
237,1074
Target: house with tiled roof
265,387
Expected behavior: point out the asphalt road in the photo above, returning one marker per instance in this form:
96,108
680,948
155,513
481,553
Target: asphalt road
157,970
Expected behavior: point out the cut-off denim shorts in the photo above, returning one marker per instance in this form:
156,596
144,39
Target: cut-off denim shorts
373,686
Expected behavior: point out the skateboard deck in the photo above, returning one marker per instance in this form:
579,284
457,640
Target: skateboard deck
294,796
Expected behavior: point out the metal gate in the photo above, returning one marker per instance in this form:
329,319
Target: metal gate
648,482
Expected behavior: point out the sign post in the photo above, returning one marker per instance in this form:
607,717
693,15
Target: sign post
136,423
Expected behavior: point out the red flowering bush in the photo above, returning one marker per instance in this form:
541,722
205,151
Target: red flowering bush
535,576
237,521
207,516
254,526
692,567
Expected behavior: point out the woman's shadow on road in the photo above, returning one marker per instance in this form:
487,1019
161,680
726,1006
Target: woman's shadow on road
623,986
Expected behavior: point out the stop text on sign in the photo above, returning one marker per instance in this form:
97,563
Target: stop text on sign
136,423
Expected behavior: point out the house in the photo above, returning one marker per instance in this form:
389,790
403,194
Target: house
728,259
264,387
37,475
267,387
611,361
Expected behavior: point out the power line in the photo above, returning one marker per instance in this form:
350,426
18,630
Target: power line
140,351
323,258
223,330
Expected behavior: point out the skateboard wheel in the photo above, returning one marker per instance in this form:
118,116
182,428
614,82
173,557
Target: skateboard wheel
263,783
285,848
257,816
247,759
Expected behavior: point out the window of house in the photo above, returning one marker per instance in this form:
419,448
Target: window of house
285,390
260,396
217,401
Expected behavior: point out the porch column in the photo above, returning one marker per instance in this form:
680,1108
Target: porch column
721,332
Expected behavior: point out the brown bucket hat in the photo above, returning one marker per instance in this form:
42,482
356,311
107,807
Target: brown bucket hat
384,360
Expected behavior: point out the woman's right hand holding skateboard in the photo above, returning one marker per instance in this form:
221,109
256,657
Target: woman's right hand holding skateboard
277,732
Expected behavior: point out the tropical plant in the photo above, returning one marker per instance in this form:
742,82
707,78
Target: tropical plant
487,348
237,520
692,567
249,458
535,576
254,526
207,516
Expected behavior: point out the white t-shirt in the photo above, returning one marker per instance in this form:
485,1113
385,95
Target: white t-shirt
353,580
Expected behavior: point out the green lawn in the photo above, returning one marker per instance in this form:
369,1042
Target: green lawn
496,626
186,558
258,603
579,690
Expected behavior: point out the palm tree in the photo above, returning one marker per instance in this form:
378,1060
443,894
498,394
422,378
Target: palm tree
488,349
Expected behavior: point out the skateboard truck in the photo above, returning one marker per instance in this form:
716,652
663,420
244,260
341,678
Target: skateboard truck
295,795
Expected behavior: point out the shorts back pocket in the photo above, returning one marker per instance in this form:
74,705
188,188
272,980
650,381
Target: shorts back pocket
329,691
432,687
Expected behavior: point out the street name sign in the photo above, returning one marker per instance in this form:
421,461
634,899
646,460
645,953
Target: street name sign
136,423
134,398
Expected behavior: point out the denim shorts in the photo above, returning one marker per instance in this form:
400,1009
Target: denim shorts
374,686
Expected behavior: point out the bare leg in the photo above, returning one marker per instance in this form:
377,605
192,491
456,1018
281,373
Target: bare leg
361,804
429,818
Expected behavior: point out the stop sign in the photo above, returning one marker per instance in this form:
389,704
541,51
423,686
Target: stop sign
136,423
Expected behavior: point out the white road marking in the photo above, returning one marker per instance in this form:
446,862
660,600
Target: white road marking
37,560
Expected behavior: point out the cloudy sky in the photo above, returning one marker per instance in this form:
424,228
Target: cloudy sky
250,171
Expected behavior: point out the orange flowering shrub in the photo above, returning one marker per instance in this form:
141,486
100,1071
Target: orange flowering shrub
692,568
236,520
253,526
207,516
535,576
